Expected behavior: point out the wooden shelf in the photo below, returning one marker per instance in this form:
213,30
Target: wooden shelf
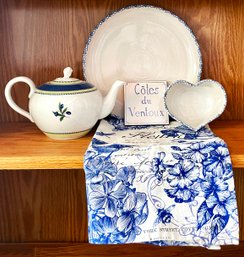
23,146
127,250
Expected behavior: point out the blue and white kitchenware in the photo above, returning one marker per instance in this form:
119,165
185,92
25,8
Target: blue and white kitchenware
65,108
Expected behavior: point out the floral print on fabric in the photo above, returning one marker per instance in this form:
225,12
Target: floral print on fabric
201,168
115,206
163,185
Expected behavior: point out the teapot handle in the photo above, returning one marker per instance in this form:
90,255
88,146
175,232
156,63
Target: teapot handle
10,100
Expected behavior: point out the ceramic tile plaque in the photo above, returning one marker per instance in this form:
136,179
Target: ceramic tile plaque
144,103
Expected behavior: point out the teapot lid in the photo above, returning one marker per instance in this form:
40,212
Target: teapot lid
66,85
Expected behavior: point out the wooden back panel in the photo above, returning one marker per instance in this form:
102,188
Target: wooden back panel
40,38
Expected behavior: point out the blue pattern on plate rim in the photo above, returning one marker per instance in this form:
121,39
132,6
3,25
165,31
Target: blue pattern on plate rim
194,175
140,6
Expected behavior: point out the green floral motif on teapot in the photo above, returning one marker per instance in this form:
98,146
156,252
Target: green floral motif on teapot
62,112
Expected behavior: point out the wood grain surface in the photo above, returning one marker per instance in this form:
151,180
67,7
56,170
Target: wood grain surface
135,250
17,251
40,38
239,182
24,146
42,206
50,205
129,250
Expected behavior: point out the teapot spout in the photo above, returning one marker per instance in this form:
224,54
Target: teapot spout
110,98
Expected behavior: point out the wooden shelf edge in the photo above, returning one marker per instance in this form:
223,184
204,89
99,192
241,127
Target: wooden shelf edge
43,249
24,164
24,147
237,161
232,132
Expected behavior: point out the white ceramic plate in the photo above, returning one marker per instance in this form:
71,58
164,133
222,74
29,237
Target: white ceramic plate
140,43
195,105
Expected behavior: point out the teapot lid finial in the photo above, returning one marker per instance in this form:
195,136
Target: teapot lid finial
66,78
67,72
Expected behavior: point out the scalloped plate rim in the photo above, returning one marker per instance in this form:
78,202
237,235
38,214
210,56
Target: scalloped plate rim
112,14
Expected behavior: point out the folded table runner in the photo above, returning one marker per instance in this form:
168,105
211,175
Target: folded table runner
164,185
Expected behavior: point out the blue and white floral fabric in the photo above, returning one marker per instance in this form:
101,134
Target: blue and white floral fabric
164,185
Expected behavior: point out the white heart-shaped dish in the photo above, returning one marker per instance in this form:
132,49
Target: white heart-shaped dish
195,105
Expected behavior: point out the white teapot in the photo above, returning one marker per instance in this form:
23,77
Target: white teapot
65,108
